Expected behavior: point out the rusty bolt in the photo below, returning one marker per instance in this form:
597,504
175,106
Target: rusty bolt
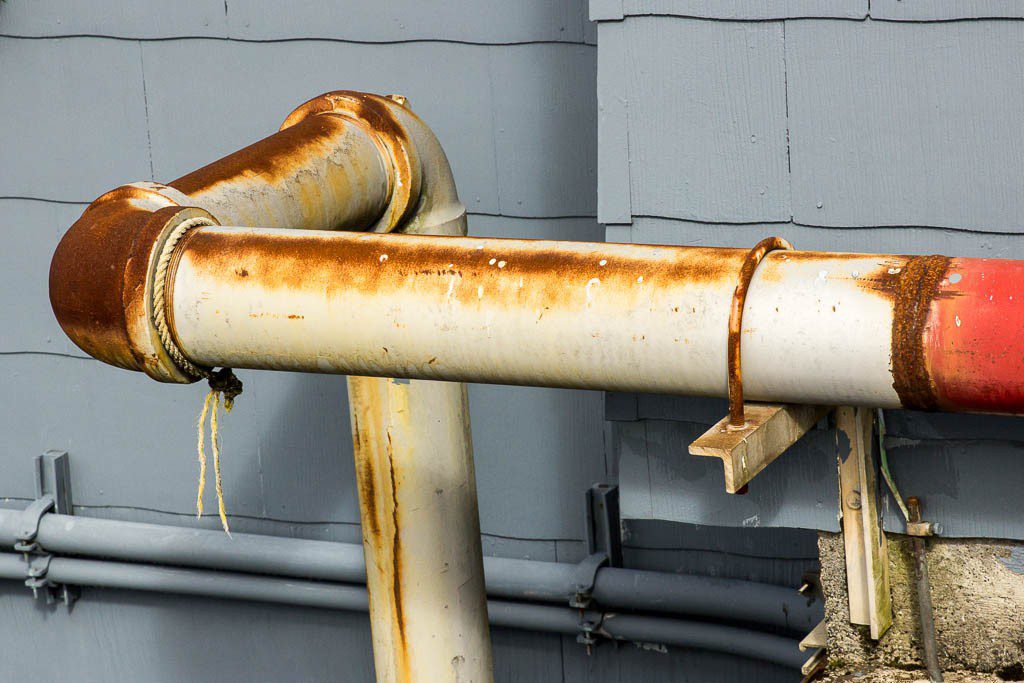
853,500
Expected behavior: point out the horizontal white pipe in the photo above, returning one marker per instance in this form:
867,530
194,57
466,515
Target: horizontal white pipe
816,328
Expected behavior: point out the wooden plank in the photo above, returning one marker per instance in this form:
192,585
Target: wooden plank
895,123
699,150
867,560
769,431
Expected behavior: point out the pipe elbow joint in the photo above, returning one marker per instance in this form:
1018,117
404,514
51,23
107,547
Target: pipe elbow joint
102,277
423,196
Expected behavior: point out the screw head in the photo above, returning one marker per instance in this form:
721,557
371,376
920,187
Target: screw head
853,500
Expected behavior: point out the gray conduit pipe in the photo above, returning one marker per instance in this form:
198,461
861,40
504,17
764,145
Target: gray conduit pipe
287,591
614,588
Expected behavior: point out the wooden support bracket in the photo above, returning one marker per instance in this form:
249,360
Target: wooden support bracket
769,430
867,558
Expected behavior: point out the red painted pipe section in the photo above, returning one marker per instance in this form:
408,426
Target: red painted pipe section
974,369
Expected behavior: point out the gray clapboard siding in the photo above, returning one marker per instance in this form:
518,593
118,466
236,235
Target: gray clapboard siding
748,9
139,19
660,480
907,124
491,21
121,635
613,186
74,117
972,486
545,109
769,555
287,452
970,481
467,93
706,103
944,10
628,662
881,240
32,230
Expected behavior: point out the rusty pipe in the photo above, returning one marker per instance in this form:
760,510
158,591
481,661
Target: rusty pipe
341,161
923,332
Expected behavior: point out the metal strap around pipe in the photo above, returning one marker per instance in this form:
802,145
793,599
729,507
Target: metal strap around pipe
737,420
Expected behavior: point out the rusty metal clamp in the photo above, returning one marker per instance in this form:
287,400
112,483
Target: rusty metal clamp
737,420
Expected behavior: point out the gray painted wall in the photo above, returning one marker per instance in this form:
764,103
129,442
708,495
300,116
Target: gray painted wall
889,128
95,95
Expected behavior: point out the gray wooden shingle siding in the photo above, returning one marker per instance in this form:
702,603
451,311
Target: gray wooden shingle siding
94,95
895,127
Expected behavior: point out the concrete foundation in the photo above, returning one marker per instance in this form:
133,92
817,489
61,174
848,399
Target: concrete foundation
977,588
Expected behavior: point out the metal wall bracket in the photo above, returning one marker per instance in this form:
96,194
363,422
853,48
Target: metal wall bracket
816,642
604,526
769,430
604,540
53,494
867,558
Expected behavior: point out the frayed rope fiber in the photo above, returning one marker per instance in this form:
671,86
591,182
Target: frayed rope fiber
222,382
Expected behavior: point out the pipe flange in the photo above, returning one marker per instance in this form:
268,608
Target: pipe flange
375,114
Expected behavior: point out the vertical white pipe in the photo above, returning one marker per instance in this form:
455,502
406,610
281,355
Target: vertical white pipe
417,493
421,530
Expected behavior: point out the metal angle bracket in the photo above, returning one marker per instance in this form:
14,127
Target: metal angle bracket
604,540
53,494
604,526
604,548
769,429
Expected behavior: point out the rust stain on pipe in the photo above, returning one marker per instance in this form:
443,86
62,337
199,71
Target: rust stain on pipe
297,177
911,283
916,287
293,260
381,523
